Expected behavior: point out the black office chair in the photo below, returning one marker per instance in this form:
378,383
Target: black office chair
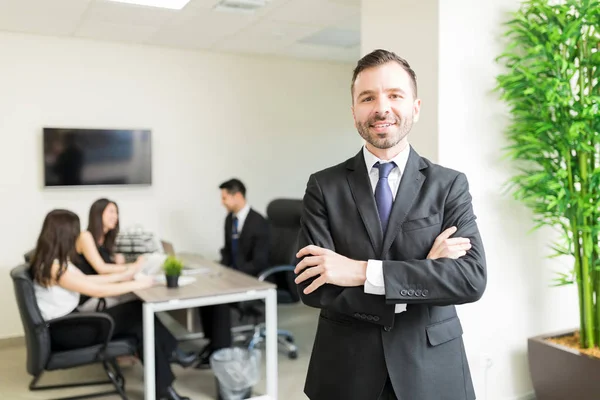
284,219
41,357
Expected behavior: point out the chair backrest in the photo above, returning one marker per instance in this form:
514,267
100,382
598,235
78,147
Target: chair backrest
37,335
28,256
284,219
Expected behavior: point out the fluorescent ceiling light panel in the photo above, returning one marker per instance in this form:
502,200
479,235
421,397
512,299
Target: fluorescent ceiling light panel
170,4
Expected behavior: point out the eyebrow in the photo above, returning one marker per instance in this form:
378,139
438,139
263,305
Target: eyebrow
366,92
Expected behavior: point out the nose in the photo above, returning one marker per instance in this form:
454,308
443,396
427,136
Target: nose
382,106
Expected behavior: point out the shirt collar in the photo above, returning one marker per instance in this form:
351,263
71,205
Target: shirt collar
243,213
401,159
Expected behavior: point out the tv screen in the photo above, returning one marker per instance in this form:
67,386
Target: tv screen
79,157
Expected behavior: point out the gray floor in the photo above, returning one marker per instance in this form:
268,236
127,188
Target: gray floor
197,384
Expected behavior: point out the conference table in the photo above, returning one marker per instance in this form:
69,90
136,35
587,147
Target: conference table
213,284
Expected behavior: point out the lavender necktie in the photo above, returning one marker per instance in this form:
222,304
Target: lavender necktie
383,193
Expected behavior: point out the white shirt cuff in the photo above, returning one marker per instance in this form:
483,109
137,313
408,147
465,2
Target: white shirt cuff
374,283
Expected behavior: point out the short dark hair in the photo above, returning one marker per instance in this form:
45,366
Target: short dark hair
234,186
379,57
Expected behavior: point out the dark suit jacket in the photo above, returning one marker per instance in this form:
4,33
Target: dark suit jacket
253,244
360,340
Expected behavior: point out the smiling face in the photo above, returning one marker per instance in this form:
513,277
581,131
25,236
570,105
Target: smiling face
384,106
110,217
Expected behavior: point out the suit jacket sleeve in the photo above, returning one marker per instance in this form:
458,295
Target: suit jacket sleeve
443,281
314,229
226,250
260,248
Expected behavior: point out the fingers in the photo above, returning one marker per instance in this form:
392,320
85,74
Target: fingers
311,250
456,255
457,241
457,248
307,262
317,283
309,273
445,235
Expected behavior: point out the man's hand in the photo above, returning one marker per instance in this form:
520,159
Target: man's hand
446,247
331,267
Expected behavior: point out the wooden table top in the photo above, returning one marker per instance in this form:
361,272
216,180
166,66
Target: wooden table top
212,279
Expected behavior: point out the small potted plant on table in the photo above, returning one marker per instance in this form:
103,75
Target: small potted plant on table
172,267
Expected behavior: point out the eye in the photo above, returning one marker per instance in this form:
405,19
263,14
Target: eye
395,96
365,99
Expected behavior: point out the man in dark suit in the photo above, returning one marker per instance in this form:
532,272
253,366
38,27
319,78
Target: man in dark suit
246,231
378,258
246,249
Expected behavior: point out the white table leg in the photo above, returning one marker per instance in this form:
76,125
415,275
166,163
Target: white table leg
149,383
271,345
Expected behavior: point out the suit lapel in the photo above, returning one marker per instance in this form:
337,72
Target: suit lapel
247,224
410,184
360,186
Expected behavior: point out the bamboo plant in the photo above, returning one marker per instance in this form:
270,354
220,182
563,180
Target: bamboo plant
552,89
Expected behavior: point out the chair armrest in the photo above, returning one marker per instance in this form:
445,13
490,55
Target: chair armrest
275,270
100,321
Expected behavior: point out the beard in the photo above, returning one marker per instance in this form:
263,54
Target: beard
392,137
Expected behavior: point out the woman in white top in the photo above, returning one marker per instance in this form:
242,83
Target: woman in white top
58,285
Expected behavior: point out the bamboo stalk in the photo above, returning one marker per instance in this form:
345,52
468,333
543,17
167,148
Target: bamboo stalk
586,283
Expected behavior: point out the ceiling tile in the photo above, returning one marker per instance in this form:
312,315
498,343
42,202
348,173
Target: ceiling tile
117,32
352,23
49,17
277,29
313,12
247,44
314,52
200,28
355,3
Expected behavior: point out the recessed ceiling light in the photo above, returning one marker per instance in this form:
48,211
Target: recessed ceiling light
170,4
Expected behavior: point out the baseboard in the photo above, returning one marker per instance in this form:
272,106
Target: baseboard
14,341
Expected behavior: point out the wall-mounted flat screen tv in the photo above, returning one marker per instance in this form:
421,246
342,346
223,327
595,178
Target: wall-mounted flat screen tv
88,157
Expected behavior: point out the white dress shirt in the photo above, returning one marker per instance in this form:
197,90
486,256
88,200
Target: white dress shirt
374,283
241,217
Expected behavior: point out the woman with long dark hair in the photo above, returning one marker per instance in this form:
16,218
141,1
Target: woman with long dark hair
97,244
58,285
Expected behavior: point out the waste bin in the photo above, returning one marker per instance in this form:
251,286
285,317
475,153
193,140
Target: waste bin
237,370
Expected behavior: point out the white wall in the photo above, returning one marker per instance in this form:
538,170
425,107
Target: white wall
410,29
519,301
269,121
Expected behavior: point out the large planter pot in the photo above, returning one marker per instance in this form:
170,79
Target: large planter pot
560,373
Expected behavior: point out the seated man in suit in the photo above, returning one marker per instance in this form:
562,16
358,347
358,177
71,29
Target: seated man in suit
246,249
246,232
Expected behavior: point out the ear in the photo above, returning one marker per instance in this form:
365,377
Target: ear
353,113
416,110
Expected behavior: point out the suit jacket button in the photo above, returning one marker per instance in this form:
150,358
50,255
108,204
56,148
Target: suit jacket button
418,292
357,315
369,318
425,292
375,318
363,316
403,292
387,328
411,292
